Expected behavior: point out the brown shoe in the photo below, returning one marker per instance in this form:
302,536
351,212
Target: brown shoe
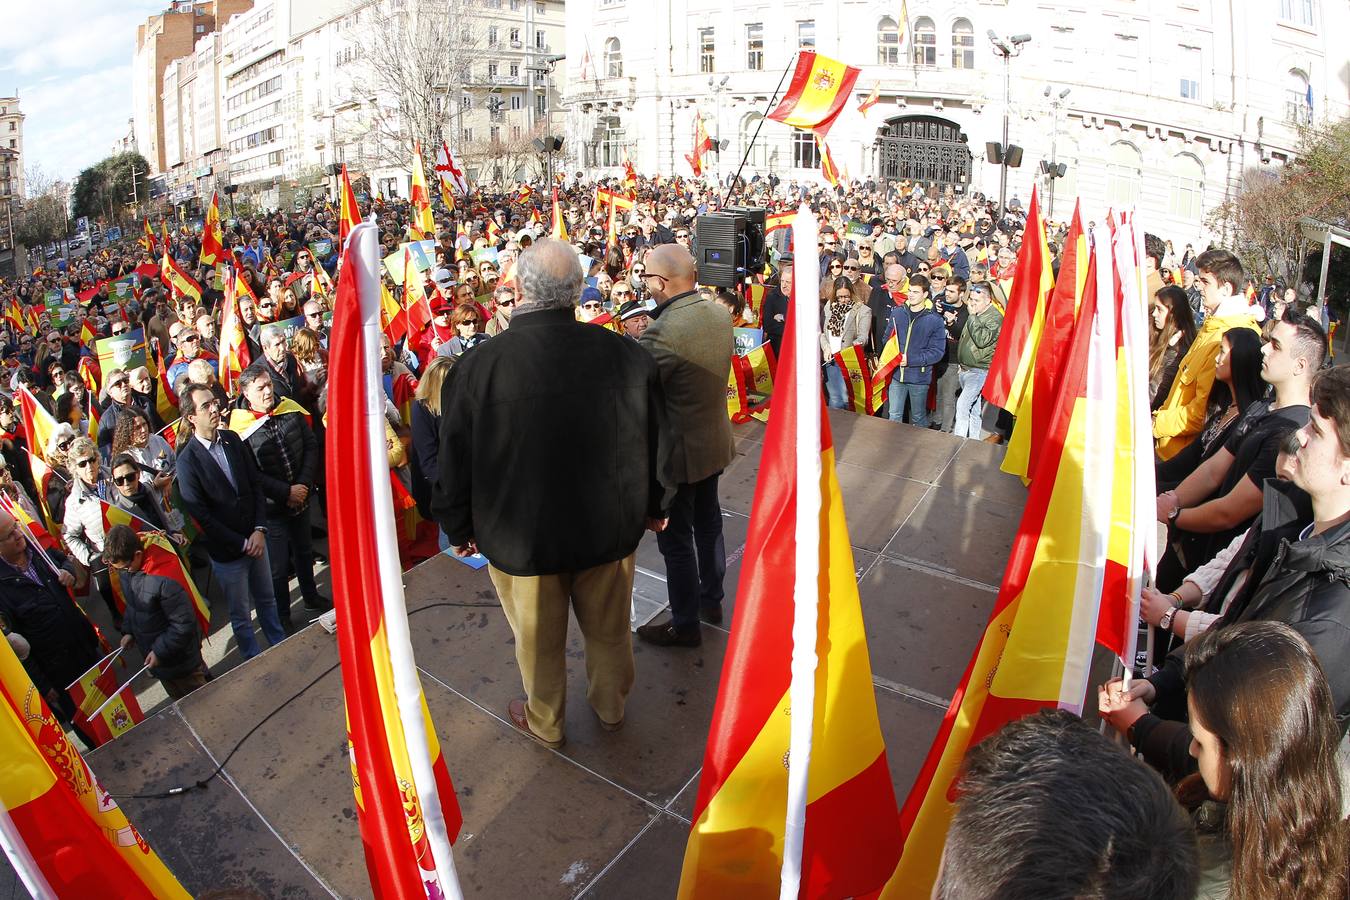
516,710
994,439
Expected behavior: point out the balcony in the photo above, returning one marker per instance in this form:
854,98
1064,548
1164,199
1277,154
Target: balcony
507,80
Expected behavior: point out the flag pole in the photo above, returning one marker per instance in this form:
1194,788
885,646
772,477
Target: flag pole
113,695
731,187
805,593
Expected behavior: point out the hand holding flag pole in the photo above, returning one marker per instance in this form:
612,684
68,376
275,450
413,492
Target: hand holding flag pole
113,696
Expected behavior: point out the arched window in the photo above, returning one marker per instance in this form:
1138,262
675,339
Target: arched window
759,154
1188,188
925,42
805,153
888,42
613,59
1297,109
963,44
1124,170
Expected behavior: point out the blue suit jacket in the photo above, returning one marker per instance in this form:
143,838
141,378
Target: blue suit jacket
227,515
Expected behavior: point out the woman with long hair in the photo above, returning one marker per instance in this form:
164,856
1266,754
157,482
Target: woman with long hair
1237,386
845,320
1169,339
426,431
1264,735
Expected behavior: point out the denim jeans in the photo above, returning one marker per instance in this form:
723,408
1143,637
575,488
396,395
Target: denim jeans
946,398
695,553
247,584
836,389
290,538
916,394
970,406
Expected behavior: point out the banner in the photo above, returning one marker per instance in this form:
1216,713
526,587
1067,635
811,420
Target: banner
125,351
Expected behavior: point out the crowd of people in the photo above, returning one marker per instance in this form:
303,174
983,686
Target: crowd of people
504,340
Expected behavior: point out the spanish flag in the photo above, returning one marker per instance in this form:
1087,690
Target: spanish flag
348,212
244,422
559,232
160,557
702,144
852,362
422,226
872,98
416,309
91,691
166,398
148,239
820,87
1037,647
795,789
38,424
886,364
1047,347
65,835
213,238
828,170
405,801
180,283
234,353
1024,316
775,221
393,320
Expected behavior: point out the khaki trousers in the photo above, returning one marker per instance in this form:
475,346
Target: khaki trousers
536,608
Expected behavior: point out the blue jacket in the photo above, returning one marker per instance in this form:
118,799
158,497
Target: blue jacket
923,341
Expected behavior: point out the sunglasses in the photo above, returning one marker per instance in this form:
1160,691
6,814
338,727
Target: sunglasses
125,480
119,383
190,338
590,306
313,315
506,301
682,234
63,446
57,373
835,266
87,461
117,331
852,268
267,306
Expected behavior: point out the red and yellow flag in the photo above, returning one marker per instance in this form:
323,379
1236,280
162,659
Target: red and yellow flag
775,221
348,211
1047,346
1024,316
828,170
213,237
405,802
702,144
148,238
159,557
91,692
38,424
234,353
180,283
559,232
757,774
166,398
65,834
816,96
886,364
422,225
852,362
1036,649
416,308
872,98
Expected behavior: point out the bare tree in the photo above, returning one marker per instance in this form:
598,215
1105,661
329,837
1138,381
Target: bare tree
416,61
43,217
505,160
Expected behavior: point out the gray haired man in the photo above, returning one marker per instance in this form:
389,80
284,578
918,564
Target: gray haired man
528,404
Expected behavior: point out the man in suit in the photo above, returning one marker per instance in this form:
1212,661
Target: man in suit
691,340
219,483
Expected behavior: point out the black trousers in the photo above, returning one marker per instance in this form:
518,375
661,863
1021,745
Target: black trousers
695,553
290,538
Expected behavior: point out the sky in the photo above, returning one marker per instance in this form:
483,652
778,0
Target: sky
70,62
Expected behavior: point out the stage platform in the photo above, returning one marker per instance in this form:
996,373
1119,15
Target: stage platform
931,520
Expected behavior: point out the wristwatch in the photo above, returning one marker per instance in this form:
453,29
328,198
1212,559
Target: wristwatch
1172,516
1165,623
261,530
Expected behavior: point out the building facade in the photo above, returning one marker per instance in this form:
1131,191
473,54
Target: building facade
1163,104
11,182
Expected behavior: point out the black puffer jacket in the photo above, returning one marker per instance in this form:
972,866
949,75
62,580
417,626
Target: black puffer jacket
159,617
278,470
1303,583
64,643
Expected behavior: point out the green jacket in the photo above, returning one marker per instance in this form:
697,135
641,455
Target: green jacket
979,338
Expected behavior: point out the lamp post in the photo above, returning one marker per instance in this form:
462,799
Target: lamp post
717,87
1056,104
1006,49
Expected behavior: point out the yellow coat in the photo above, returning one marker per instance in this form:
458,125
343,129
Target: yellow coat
1182,415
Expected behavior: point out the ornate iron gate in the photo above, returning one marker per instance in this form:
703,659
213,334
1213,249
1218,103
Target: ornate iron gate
923,149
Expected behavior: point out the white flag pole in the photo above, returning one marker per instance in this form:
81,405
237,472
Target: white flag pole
805,595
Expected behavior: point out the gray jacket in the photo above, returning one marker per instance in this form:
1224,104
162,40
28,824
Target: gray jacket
83,523
691,340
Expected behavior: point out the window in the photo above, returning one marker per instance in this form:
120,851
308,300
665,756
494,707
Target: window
13,126
492,71
1297,97
492,36
468,135
1127,57
515,5
1188,188
1188,68
805,153
611,147
613,59
1297,12
707,51
515,101
963,44
514,70
494,134
759,153
515,132
199,29
514,37
465,101
539,39
541,104
806,35
754,46
1124,170
888,42
540,7
1064,42
925,42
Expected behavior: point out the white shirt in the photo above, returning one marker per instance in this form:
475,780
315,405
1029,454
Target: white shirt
217,451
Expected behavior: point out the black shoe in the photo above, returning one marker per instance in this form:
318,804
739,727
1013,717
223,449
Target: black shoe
319,604
666,636
711,614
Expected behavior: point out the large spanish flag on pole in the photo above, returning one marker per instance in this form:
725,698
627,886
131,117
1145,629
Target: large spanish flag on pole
349,214
213,238
405,801
422,226
1037,647
819,89
795,805
63,833
1033,279
1046,351
234,353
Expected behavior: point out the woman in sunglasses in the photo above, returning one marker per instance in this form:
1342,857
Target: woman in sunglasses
57,487
83,523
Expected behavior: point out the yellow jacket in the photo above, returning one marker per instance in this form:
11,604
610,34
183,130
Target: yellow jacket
1182,415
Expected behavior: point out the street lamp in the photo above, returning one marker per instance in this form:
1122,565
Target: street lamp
1054,170
1006,155
716,87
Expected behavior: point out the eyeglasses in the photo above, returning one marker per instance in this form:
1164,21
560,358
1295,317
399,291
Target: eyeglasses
87,461
852,268
57,373
117,331
506,301
119,383
836,265
63,446
617,293
126,480
190,338
208,405
681,234
314,315
590,306
442,313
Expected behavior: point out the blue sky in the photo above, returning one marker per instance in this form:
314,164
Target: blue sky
70,61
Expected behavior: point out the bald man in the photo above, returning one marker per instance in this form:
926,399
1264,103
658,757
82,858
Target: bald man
551,471
690,339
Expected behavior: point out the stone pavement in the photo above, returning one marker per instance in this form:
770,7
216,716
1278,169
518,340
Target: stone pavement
931,521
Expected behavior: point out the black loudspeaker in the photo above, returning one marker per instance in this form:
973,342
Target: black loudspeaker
993,152
1014,156
755,221
720,242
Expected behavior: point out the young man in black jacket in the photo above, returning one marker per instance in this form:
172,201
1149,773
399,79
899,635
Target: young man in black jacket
159,618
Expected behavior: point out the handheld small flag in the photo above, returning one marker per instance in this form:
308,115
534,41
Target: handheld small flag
348,211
